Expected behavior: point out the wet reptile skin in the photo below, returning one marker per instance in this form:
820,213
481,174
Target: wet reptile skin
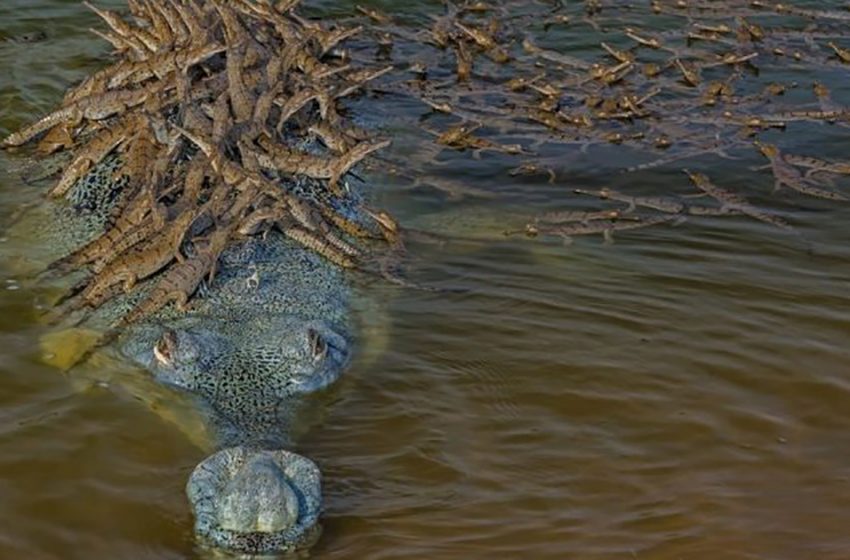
274,325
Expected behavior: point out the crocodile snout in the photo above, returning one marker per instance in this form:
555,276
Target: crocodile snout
259,498
256,501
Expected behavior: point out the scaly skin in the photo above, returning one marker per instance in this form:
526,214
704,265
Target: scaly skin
101,248
181,281
124,235
287,520
461,138
136,158
606,227
295,104
169,10
786,175
321,245
301,58
330,39
193,20
106,140
160,26
138,264
123,44
337,140
357,79
281,159
486,42
96,107
241,99
815,165
122,28
160,65
270,328
666,205
265,101
734,202
59,138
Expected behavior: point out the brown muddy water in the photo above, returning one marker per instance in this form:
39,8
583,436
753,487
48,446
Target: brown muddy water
682,393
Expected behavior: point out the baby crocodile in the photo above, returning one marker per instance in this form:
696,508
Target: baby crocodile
787,175
733,201
606,227
666,205
815,165
180,282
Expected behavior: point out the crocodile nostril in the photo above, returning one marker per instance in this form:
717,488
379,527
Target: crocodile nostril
165,347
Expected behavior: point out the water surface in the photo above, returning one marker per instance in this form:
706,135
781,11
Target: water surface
681,393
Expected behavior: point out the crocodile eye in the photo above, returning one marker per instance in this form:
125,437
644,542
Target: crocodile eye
165,348
318,346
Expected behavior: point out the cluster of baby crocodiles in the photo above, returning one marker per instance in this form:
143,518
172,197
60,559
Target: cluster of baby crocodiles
206,110
660,81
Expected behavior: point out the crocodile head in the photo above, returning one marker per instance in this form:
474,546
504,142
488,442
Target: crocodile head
240,366
273,326
249,372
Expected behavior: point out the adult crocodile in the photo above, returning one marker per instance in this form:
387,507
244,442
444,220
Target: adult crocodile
194,181
274,325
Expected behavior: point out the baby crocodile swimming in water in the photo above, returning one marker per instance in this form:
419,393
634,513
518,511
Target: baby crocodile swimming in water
815,165
666,205
30,37
786,175
734,202
606,227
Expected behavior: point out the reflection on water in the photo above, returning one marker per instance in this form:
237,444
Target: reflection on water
681,393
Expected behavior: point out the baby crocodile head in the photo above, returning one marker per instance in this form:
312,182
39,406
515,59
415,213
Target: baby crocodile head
255,501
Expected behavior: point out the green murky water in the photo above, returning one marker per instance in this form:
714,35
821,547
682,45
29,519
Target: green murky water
682,393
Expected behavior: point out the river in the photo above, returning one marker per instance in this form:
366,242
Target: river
681,393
